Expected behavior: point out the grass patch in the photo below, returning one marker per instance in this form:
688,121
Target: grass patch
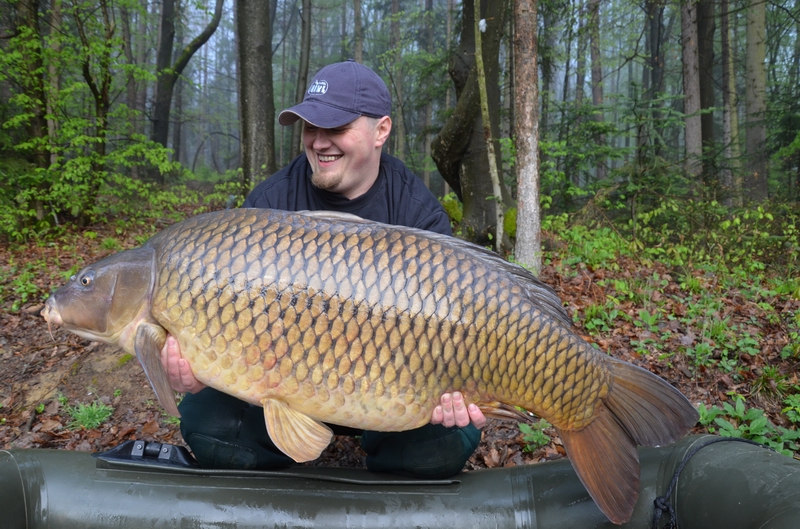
88,416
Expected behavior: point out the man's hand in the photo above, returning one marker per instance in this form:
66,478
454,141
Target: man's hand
452,411
178,370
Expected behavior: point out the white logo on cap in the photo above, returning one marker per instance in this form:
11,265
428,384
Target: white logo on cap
318,87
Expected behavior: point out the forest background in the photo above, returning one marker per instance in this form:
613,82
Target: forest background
667,157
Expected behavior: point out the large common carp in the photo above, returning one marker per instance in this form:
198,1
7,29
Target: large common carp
321,316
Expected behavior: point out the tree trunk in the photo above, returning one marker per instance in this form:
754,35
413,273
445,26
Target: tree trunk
654,10
706,27
528,249
141,58
459,150
487,134
98,78
33,84
167,72
755,102
691,90
546,56
358,37
597,79
27,19
177,130
580,59
396,73
302,73
730,174
257,99
428,112
53,80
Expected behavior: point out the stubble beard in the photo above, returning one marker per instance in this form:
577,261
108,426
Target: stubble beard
326,182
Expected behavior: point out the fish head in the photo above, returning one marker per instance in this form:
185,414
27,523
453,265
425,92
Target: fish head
101,301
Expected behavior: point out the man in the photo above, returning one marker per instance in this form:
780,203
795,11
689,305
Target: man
346,122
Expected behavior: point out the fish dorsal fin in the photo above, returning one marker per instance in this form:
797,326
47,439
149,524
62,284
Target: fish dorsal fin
538,292
336,216
149,340
295,434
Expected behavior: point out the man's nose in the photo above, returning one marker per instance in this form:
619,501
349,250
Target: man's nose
321,138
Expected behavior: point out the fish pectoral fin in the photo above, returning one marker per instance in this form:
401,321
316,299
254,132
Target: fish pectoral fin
294,433
147,345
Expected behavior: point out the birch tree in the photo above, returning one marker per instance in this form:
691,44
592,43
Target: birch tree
480,26
528,249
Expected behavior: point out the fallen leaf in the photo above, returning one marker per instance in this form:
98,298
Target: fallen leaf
150,427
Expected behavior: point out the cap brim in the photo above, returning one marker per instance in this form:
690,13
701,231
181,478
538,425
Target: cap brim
318,114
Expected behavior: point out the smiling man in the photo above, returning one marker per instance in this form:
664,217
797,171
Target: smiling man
346,122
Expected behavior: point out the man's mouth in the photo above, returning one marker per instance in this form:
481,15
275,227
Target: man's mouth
325,158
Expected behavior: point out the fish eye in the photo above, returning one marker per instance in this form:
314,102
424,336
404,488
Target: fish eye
87,278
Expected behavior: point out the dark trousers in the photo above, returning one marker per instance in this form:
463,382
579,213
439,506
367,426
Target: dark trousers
225,432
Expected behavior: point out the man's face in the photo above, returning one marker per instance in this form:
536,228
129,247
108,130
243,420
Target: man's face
346,160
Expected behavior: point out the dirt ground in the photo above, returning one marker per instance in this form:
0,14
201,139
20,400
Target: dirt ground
40,373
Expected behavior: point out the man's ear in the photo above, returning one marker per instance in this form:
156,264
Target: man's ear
382,129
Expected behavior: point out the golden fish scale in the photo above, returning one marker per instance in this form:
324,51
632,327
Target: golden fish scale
362,325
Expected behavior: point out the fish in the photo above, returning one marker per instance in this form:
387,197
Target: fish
323,317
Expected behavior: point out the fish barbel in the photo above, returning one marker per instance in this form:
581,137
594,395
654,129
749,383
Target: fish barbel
320,316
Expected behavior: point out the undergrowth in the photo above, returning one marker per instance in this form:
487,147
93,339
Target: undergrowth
734,283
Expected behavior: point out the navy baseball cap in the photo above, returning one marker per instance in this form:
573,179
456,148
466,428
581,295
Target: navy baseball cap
340,93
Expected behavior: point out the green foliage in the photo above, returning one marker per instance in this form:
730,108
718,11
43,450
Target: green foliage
597,248
601,318
647,320
533,435
88,416
792,408
453,207
111,243
510,222
686,232
76,169
23,288
737,421
771,382
226,194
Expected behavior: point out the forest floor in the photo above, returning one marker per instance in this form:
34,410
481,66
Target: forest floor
637,312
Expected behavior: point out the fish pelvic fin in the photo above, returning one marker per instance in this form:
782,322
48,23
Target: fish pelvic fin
294,433
640,409
147,345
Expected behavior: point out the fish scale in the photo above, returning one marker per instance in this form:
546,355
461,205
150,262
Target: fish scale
367,340
317,316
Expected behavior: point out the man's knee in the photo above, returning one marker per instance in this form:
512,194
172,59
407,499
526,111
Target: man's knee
225,432
432,451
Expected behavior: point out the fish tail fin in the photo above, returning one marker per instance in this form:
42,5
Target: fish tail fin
640,409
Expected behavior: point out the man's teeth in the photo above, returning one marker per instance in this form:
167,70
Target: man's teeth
327,158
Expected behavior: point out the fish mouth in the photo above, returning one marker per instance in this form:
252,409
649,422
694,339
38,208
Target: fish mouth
51,315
